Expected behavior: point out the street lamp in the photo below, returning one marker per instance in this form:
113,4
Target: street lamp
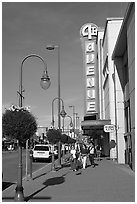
71,123
45,83
63,114
77,128
73,107
50,48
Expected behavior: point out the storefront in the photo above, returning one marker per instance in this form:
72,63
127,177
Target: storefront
95,129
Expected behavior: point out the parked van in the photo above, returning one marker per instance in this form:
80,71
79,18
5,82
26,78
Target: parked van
42,152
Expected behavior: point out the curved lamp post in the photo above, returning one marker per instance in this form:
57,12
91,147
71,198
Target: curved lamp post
77,128
50,48
73,107
63,114
45,83
71,123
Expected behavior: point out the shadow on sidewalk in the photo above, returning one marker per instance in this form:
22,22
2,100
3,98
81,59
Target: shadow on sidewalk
54,181
6,185
67,164
48,182
35,193
39,176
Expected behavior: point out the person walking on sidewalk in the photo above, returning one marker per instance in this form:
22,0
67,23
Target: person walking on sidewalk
78,157
91,150
98,150
84,155
73,158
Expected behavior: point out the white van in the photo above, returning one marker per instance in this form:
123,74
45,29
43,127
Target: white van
42,151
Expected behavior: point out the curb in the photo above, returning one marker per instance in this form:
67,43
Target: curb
36,174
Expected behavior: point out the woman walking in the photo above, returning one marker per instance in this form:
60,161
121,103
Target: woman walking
73,158
84,155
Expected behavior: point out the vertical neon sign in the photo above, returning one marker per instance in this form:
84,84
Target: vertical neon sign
88,34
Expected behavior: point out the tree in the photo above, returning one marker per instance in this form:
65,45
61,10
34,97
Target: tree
64,138
53,136
71,140
18,124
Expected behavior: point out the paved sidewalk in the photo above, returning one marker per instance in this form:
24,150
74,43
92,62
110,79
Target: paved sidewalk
107,182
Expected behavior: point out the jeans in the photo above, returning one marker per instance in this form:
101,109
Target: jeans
73,163
91,159
84,159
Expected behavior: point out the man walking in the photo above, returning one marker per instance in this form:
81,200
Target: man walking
91,150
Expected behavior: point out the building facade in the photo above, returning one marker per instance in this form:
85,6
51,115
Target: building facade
93,124
109,77
124,62
109,70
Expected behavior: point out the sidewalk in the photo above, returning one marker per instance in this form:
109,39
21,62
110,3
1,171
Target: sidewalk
107,182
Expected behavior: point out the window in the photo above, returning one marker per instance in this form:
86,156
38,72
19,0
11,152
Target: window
42,148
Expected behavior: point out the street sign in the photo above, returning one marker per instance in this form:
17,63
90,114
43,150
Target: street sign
109,128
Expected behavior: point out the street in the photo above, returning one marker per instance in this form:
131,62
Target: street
10,166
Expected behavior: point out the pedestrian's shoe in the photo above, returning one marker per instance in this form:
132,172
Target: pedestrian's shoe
78,173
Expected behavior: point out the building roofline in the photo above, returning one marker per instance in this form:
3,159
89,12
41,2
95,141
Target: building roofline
123,28
107,20
100,29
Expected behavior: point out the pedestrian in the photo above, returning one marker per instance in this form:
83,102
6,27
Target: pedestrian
98,150
73,158
66,149
91,150
84,155
78,157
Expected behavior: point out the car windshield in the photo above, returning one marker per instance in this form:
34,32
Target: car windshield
42,148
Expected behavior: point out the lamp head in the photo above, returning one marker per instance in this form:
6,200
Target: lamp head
63,113
50,47
71,124
45,81
70,106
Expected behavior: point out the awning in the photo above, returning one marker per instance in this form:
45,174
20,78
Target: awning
94,124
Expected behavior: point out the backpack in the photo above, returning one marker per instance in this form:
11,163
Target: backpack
77,152
83,150
91,149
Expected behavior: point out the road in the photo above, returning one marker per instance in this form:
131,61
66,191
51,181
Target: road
10,166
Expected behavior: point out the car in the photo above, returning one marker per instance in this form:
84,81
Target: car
42,152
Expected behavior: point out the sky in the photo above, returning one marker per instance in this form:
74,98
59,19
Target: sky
28,27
